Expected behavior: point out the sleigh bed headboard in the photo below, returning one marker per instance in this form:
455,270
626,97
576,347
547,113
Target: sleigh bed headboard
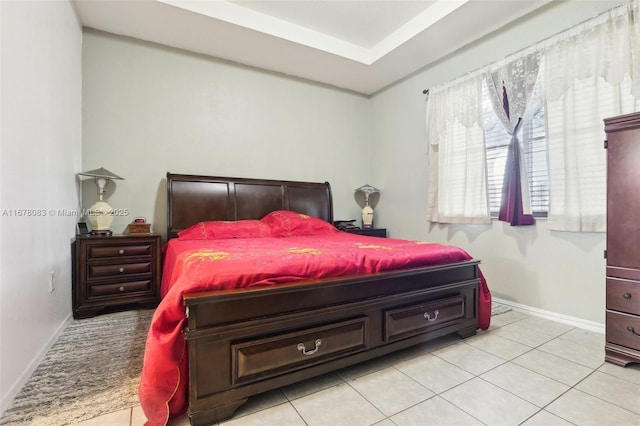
192,199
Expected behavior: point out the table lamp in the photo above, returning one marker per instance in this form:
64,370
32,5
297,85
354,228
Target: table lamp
101,213
367,210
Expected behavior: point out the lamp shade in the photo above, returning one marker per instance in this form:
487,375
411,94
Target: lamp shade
367,189
100,173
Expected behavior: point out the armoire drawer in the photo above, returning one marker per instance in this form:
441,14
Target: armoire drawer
623,330
623,295
286,352
419,318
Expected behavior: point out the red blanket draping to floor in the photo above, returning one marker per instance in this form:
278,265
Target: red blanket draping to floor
200,265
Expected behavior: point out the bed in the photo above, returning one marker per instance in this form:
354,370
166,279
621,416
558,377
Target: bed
233,324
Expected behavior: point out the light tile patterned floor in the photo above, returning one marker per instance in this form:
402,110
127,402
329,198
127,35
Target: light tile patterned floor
524,370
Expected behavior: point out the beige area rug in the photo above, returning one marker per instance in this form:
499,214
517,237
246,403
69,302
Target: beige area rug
92,369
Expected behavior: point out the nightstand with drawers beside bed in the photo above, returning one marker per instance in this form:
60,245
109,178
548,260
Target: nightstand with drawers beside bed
115,272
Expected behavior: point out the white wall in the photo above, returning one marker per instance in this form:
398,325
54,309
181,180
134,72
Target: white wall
554,271
40,154
150,109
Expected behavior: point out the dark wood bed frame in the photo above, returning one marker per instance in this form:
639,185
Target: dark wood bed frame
245,342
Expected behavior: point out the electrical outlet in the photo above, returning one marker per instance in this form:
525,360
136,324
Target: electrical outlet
52,281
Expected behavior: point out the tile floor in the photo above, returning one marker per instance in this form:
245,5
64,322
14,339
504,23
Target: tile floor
524,370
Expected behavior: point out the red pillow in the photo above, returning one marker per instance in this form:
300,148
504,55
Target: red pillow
225,229
194,232
284,223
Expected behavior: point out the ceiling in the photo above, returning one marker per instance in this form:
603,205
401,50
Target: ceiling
359,45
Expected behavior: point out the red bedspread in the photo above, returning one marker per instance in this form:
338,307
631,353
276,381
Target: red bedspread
198,265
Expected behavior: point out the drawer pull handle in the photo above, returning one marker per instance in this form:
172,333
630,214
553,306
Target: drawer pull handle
630,329
121,251
121,289
304,350
435,316
121,270
627,296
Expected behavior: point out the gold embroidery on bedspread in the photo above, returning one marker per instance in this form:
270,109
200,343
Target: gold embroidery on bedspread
306,251
206,255
373,246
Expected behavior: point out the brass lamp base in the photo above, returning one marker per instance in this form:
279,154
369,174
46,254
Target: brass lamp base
102,233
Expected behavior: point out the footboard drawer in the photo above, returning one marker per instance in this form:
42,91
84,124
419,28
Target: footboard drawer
623,330
422,317
258,358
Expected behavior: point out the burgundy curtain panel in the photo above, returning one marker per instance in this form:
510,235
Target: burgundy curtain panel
511,209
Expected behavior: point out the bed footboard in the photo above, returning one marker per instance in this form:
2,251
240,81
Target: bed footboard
242,343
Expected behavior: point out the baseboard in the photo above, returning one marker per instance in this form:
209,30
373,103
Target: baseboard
24,377
553,316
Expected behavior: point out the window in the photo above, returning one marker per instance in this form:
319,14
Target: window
588,74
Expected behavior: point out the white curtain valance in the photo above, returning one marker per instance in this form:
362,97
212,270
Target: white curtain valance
607,46
460,102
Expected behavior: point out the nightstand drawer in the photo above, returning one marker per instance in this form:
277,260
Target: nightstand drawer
105,252
413,319
119,288
104,271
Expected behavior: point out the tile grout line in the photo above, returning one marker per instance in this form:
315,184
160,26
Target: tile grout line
540,409
594,396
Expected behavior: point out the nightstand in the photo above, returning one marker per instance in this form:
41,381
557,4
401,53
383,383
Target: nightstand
371,232
115,271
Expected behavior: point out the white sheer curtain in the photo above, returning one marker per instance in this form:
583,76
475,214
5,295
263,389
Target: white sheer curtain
457,155
591,72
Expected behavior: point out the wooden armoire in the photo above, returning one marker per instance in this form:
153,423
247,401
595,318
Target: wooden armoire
623,239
